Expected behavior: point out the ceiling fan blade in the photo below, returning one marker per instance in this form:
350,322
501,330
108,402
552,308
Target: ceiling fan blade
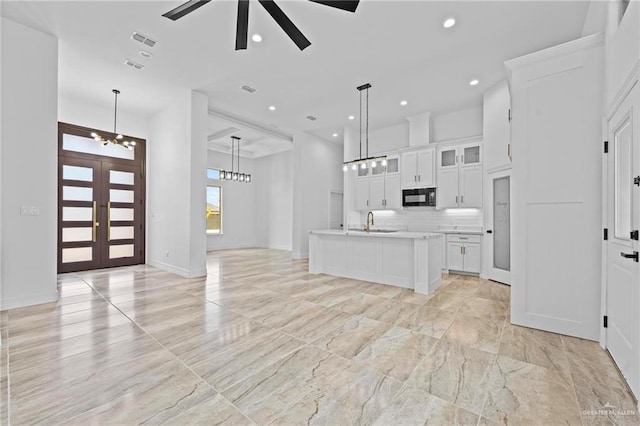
285,23
242,26
348,5
184,9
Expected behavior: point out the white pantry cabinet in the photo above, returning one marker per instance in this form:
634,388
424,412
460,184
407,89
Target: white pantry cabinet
418,169
379,188
460,177
463,253
556,175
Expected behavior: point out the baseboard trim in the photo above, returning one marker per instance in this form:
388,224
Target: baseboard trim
178,271
21,302
299,256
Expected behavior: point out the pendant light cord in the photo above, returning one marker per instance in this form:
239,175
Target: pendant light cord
367,128
115,112
360,156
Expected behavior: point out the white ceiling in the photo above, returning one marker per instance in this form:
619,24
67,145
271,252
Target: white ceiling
400,47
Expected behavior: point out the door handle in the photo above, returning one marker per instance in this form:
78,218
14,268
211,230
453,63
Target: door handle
489,231
633,255
109,221
95,224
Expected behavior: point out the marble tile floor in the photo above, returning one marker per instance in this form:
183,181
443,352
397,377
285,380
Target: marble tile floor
261,341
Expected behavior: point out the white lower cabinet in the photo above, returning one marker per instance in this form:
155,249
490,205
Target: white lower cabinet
463,253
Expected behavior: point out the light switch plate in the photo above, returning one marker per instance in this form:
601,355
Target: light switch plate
29,211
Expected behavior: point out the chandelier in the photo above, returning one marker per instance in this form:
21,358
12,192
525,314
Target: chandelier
365,161
115,138
232,174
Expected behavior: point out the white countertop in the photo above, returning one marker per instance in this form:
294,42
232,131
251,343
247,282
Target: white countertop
469,230
397,234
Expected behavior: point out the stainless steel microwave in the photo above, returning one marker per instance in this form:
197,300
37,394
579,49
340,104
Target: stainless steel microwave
419,197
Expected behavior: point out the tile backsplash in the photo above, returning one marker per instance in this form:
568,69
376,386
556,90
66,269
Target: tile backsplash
420,219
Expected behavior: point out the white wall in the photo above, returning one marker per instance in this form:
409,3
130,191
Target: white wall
81,113
176,176
238,205
274,200
453,125
29,165
317,169
622,48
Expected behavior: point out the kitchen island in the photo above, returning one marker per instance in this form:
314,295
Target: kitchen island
399,258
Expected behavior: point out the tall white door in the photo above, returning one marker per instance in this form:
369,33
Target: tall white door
336,210
623,283
498,213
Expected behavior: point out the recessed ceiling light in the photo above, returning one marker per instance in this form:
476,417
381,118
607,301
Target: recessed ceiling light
403,102
257,38
335,135
449,22
272,108
473,82
351,117
145,54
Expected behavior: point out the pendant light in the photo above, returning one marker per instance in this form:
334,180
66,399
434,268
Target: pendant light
365,161
115,137
233,174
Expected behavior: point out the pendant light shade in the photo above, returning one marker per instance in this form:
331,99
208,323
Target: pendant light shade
115,138
365,161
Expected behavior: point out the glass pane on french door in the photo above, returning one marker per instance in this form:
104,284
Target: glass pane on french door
78,187
123,199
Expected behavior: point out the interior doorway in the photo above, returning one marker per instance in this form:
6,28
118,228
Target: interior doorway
101,201
336,209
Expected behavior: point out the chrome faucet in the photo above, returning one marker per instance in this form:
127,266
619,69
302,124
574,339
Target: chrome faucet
366,227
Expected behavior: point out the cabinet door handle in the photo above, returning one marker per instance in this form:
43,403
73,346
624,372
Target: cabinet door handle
456,199
418,178
464,250
462,199
456,159
415,178
509,150
461,250
462,158
367,203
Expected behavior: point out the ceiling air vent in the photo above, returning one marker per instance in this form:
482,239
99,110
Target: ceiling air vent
311,117
143,39
133,64
248,88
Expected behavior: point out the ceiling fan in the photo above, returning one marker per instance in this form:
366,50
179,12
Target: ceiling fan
242,26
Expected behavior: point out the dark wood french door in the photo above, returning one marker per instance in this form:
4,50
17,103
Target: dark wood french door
100,202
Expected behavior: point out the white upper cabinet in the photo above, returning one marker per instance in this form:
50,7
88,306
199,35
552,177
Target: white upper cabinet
378,188
460,176
418,169
496,127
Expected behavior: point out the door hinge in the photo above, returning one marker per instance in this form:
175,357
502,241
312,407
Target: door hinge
605,234
605,321
606,147
636,180
634,235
